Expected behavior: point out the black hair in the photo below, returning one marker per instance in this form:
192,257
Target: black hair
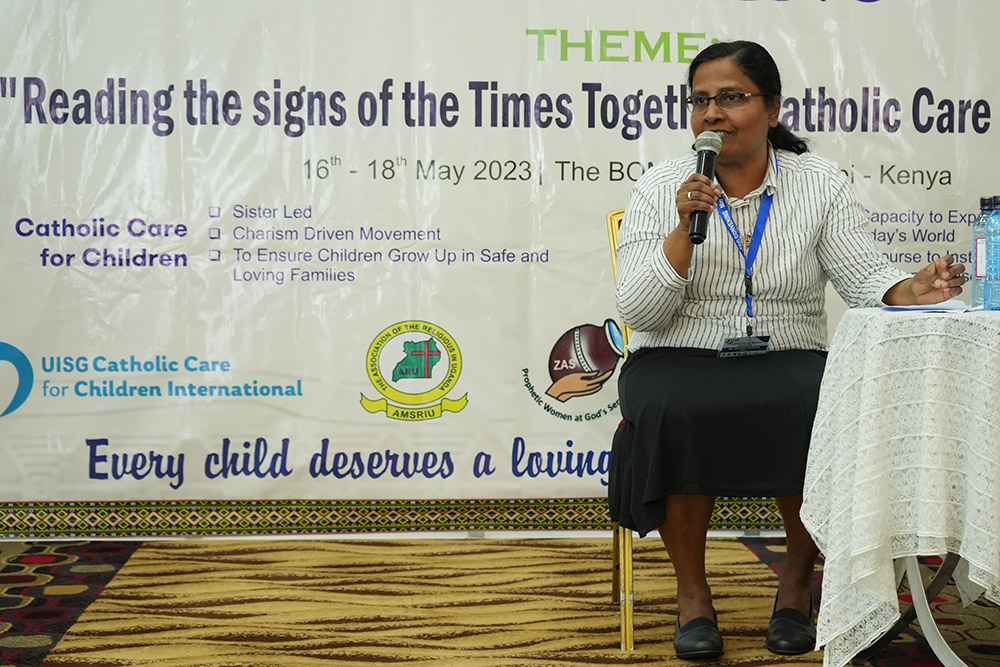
754,60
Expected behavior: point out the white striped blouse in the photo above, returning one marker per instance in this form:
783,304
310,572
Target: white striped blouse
816,232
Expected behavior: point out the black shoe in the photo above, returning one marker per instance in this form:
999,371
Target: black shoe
791,632
698,639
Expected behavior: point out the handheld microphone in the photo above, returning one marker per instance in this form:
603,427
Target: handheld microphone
708,144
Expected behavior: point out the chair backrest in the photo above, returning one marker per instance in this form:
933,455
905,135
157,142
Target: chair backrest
614,224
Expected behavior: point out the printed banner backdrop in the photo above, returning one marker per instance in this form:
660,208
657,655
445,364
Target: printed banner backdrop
323,267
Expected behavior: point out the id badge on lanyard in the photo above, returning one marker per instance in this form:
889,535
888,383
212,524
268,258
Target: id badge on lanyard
749,345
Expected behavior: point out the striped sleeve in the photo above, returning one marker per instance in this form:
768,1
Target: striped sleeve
649,290
859,273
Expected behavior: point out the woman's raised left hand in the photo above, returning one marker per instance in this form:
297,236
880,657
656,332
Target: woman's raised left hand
938,281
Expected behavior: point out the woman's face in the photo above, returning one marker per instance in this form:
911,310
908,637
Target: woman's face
744,128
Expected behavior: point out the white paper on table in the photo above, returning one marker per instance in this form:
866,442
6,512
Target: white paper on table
949,306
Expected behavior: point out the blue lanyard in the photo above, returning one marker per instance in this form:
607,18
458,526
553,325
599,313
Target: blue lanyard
751,252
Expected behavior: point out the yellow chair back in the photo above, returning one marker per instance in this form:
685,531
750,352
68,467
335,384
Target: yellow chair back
614,224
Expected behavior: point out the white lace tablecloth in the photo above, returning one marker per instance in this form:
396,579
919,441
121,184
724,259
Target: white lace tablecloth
904,461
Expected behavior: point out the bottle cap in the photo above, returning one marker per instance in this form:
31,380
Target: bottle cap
985,202
996,201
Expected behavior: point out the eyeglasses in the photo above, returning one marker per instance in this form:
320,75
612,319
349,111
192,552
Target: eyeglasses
726,101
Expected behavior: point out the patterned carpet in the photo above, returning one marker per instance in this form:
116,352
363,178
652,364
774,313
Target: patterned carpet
45,586
474,603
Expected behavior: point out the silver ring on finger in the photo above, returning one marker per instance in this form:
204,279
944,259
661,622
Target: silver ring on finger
689,194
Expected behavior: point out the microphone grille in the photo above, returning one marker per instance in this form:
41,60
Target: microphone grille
708,141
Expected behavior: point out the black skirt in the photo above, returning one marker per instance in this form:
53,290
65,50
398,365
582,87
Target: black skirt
696,424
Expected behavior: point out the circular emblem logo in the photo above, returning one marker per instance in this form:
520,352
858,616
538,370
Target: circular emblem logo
25,376
414,363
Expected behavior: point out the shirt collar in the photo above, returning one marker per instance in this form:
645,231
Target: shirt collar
771,177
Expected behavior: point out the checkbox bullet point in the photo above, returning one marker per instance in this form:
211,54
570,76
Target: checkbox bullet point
214,255
215,233
214,212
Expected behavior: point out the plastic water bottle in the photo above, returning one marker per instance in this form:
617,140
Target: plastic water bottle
978,282
992,291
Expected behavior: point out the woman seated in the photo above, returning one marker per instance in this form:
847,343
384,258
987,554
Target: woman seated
719,391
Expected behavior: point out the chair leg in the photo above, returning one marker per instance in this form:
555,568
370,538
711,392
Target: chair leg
616,563
623,583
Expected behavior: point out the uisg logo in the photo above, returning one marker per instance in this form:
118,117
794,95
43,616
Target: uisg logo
25,377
